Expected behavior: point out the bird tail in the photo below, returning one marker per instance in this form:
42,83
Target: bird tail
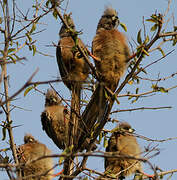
93,114
75,112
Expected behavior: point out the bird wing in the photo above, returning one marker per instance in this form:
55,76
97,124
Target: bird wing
51,127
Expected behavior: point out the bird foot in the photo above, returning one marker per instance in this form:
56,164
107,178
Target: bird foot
94,57
57,174
150,176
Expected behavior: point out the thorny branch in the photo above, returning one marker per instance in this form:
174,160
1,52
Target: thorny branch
141,108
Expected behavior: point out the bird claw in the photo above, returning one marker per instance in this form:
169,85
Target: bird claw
94,57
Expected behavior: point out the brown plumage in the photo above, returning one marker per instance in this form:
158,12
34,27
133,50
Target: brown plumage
32,150
109,45
55,119
71,63
122,142
73,69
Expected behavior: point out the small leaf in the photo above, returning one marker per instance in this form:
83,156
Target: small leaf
133,101
1,20
145,52
137,81
151,20
163,90
139,40
105,143
55,15
144,71
123,26
85,178
174,41
28,36
130,82
100,137
61,159
137,89
160,49
153,28
117,101
11,50
34,49
175,28
33,28
28,90
12,58
130,97
146,40
4,133
47,3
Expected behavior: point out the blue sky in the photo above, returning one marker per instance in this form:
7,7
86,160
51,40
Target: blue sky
155,124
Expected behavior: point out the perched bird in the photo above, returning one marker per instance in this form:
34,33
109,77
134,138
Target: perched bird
110,47
122,142
71,63
73,69
29,152
55,119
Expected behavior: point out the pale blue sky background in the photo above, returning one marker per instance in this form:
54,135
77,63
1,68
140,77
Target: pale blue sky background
159,124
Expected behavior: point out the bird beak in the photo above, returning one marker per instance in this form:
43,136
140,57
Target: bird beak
131,130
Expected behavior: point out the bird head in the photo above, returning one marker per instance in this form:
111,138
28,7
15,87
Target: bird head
122,128
109,19
52,98
28,138
64,32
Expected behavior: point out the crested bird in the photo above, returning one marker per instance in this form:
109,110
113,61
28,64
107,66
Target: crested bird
110,47
55,119
73,69
123,143
29,153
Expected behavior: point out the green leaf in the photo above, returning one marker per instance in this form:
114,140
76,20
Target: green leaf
154,87
11,50
153,28
34,49
5,1
162,52
12,58
123,26
105,143
4,133
55,14
151,20
100,137
145,52
61,159
29,37
139,40
144,71
130,97
137,89
28,90
163,90
85,178
175,28
1,20
47,3
146,40
174,41
33,28
133,101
